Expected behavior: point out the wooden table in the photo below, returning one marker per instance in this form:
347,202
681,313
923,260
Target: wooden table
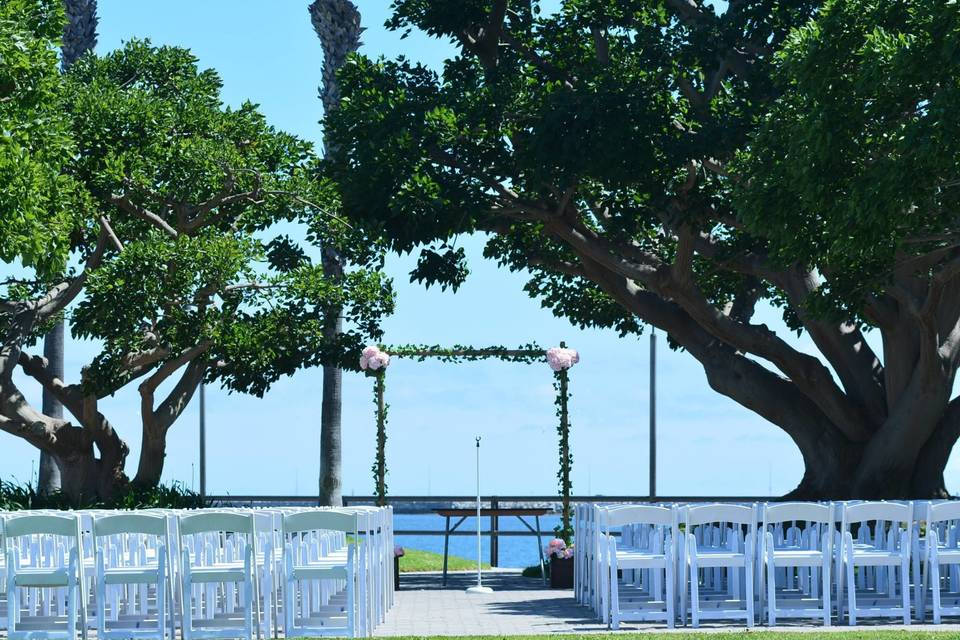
494,514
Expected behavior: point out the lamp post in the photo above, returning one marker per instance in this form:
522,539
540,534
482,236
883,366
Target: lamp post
203,446
479,588
653,414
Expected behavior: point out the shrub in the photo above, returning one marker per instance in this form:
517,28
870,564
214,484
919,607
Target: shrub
15,496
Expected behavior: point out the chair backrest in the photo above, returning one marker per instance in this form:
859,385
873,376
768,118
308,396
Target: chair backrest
67,526
942,511
729,513
639,514
877,511
321,520
130,523
216,521
797,512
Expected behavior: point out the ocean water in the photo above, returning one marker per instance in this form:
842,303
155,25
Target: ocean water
515,551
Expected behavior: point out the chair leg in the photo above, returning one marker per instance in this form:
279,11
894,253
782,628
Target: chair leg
186,598
101,608
851,593
614,596
13,604
351,608
74,592
694,593
838,567
249,604
935,588
905,587
603,594
771,593
671,588
917,583
827,605
682,576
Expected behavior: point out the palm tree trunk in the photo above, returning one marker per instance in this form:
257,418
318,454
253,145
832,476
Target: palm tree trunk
79,37
331,487
337,23
48,482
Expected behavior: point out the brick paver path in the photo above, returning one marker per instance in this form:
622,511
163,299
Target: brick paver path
523,606
518,606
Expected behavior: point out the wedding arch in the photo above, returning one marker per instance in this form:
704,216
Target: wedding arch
375,360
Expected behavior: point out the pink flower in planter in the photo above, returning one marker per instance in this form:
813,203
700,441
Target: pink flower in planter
398,552
556,547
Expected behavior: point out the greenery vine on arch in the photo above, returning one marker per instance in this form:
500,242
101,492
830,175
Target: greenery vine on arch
376,359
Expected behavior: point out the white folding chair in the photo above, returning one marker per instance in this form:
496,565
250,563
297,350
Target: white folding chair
217,584
43,552
131,556
797,554
941,566
267,563
3,574
646,553
720,548
870,564
320,573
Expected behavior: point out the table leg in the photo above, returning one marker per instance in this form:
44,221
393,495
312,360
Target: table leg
494,542
446,548
543,571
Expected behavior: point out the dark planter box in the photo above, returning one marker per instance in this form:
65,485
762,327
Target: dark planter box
396,573
561,573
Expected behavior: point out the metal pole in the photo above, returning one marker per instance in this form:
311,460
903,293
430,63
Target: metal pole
203,445
479,588
653,414
479,545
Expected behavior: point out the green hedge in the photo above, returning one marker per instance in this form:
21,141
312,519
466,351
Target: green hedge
15,497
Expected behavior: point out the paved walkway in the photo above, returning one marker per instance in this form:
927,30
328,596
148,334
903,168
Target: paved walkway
523,606
518,606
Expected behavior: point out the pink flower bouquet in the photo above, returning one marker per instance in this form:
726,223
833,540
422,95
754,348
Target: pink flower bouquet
557,548
372,358
560,358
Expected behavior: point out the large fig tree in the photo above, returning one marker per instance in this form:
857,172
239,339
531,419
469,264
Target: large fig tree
680,163
181,235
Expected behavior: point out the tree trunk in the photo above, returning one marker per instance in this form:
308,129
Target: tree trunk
879,469
331,411
153,453
337,24
79,37
87,478
80,31
157,422
48,480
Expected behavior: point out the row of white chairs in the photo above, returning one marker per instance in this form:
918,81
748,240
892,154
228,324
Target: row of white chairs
209,573
772,561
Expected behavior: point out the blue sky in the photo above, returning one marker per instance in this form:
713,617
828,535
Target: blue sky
708,445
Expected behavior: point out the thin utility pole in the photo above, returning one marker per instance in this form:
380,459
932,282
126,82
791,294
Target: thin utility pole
203,445
653,414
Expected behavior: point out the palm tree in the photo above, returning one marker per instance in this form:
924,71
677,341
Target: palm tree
80,32
79,37
337,23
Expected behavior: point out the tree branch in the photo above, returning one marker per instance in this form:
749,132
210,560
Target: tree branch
166,370
179,397
124,203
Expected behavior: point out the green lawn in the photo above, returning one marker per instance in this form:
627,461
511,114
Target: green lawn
879,634
416,560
